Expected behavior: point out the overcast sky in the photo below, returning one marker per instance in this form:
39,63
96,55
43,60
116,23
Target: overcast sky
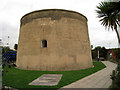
11,12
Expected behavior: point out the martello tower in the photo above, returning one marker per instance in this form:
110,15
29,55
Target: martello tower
54,40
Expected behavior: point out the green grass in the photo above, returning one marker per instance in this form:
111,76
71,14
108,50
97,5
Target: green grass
18,78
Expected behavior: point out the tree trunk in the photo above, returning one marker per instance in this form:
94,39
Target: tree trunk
118,36
118,45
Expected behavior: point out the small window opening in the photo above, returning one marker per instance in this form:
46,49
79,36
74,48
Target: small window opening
44,43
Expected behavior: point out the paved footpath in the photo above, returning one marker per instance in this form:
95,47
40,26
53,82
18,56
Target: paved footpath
100,79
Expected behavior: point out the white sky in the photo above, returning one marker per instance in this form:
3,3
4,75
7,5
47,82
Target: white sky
11,12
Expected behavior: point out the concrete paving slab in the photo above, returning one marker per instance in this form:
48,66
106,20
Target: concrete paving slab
47,80
100,79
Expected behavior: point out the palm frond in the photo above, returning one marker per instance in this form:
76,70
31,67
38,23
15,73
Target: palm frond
109,14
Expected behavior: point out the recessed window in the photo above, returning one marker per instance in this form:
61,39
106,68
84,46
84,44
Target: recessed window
44,43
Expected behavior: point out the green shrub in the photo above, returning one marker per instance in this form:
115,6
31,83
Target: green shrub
116,77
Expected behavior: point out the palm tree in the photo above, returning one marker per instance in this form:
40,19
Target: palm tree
109,14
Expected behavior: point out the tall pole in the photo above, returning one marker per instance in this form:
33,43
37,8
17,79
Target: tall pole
8,40
1,43
119,36
98,54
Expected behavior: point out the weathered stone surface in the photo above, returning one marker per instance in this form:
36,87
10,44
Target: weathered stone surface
54,14
68,46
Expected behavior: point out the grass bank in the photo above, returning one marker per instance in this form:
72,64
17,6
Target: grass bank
18,78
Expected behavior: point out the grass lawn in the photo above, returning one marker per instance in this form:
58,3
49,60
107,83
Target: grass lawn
18,78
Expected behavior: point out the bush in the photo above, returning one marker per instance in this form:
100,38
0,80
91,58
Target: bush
116,77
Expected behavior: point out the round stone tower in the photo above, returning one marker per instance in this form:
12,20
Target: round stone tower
54,40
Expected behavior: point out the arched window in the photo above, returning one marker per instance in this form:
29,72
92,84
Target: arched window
44,43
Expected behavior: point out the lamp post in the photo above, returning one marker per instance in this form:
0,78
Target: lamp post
98,55
1,47
1,42
8,40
